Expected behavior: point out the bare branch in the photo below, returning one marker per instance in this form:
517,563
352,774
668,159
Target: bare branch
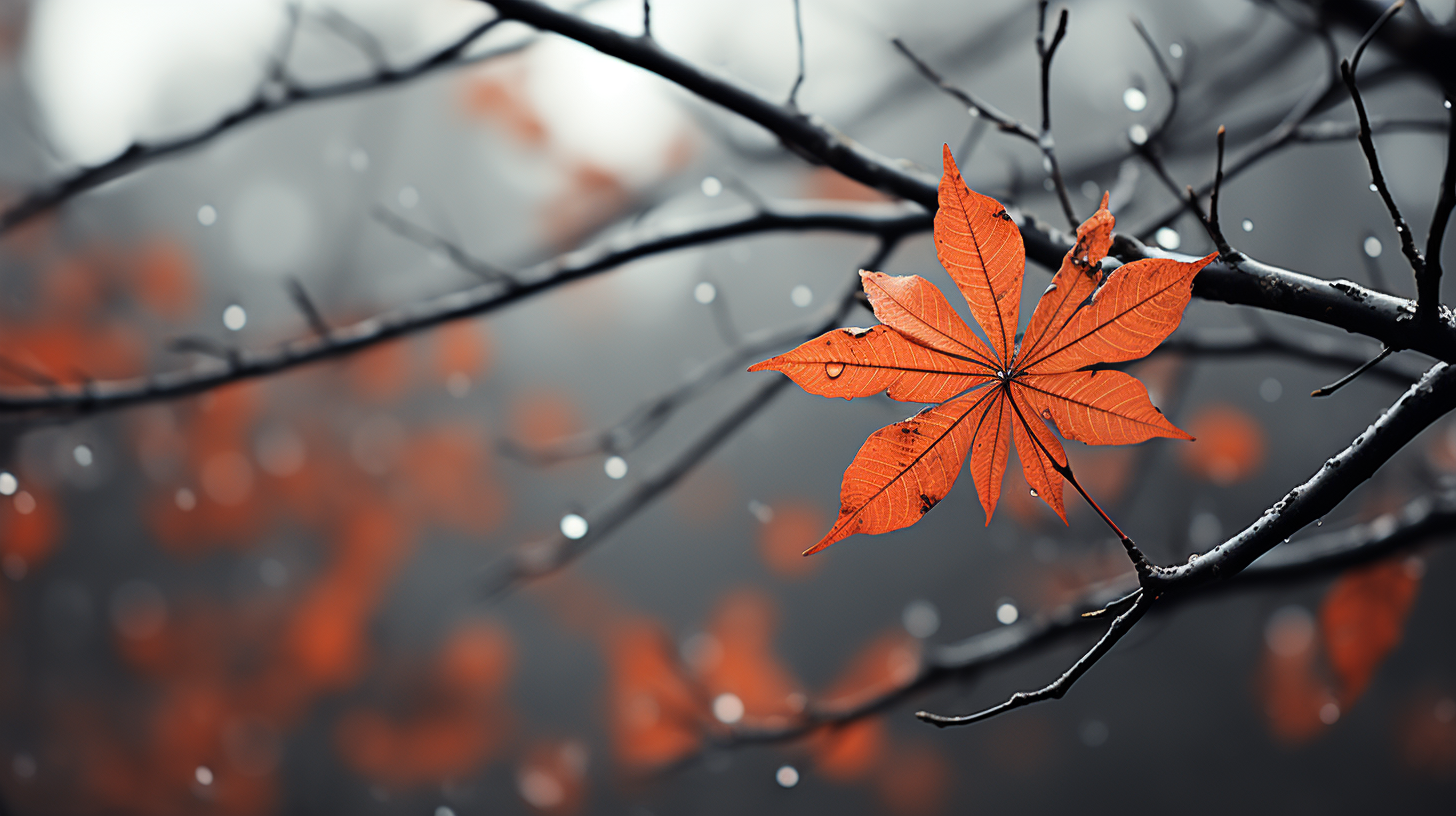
542,558
799,34
1354,309
884,221
1427,290
264,103
1058,688
1327,390
434,242
647,418
1044,139
305,304
977,108
1445,203
1426,520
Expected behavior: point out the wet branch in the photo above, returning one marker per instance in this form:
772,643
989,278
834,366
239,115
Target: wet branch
1428,520
276,94
647,418
541,558
1353,308
1045,52
887,222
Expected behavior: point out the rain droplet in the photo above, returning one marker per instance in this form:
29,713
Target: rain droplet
974,112
920,618
1372,247
616,467
1271,389
1046,164
1138,134
712,187
207,215
1090,189
833,370
1168,238
1175,50
1034,494
1373,188
203,775
728,708
185,499
1007,613
705,292
787,776
1329,713
1134,99
83,456
8,483
24,503
1046,413
1319,522
1447,104
458,384
234,317
801,296
573,526
1247,225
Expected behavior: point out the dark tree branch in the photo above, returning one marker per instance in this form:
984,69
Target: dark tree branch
799,35
266,102
878,220
1426,520
434,242
1168,79
1445,203
1211,223
1423,403
1327,390
1349,307
1058,688
542,558
647,418
1427,288
305,304
1044,139
976,107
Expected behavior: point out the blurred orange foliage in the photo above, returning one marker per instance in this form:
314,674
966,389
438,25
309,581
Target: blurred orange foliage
1228,446
742,661
551,777
1363,617
795,527
654,712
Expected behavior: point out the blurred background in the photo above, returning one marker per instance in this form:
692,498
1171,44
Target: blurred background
269,598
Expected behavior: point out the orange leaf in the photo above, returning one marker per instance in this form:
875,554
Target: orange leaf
1362,618
980,246
989,397
860,362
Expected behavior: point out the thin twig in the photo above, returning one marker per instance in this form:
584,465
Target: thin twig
305,304
542,558
1327,390
1044,139
434,242
1214,230
1168,79
1445,203
878,220
799,33
978,108
265,102
1055,690
1427,519
1427,291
